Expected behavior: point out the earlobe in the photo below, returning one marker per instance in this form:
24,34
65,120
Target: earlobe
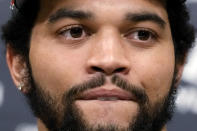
16,65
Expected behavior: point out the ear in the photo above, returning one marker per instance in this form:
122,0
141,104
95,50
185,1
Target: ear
16,65
179,74
179,71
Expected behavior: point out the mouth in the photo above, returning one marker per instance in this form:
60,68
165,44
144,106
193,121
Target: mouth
107,104
103,94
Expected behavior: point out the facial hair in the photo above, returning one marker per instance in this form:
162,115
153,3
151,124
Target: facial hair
45,107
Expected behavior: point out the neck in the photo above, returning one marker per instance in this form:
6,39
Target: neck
42,127
164,129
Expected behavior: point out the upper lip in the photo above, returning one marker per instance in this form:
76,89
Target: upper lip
117,93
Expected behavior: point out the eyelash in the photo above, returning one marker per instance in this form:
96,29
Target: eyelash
70,27
152,35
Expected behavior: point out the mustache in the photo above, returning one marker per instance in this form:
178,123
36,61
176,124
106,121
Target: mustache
100,80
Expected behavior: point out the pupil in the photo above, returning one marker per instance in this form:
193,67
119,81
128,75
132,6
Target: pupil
144,35
76,32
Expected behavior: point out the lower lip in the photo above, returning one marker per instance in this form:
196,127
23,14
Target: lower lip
98,104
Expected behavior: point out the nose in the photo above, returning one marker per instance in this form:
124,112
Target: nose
108,54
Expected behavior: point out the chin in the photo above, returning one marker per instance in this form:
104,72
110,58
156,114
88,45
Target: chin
104,113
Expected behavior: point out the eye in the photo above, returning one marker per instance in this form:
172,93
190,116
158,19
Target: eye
142,35
74,32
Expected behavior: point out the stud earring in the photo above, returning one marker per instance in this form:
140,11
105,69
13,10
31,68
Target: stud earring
20,87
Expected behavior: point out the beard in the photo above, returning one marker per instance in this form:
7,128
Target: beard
69,118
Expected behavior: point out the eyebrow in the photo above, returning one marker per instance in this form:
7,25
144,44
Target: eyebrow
67,13
146,16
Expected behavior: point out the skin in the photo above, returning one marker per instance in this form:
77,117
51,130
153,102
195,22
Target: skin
59,61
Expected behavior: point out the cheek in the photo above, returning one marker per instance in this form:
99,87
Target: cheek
53,67
155,72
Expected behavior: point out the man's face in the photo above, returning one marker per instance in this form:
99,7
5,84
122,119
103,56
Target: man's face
109,42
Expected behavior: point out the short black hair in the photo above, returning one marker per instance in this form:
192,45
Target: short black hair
17,31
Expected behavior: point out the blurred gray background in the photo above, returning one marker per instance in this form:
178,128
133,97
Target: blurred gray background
15,115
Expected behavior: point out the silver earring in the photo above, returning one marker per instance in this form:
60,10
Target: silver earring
20,87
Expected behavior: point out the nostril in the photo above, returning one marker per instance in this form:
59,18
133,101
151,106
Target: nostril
118,70
97,69
108,71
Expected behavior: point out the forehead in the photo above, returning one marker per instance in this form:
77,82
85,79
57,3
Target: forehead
82,2
104,7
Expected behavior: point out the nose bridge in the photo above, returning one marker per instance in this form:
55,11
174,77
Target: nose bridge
108,45
108,52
